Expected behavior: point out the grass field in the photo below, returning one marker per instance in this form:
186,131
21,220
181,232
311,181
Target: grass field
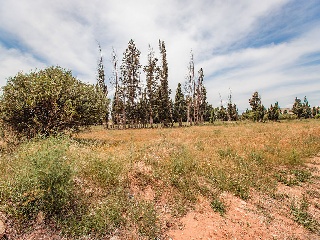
136,183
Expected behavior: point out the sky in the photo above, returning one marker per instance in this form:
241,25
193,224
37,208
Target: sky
243,46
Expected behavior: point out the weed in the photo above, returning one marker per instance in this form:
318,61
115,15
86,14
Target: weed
313,193
240,189
105,172
294,158
145,217
44,183
293,177
218,206
301,216
286,178
227,152
302,175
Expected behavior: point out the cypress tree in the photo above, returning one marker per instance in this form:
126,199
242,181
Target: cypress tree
164,91
179,106
130,78
152,77
101,82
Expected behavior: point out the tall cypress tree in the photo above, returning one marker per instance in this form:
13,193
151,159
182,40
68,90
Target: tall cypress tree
200,98
164,91
101,75
179,106
130,78
152,77
101,81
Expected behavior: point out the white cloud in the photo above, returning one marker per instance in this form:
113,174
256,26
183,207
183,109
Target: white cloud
13,61
267,69
65,33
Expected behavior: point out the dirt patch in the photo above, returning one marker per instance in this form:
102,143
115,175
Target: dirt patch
260,217
243,220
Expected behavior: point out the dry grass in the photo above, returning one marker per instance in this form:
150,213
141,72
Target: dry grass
136,182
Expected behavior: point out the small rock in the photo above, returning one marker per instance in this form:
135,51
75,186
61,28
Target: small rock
2,229
40,217
115,238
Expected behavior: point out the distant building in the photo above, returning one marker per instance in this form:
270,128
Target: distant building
286,111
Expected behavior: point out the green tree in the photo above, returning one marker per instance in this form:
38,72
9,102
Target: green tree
101,74
306,112
232,110
50,101
179,106
117,103
164,111
273,112
199,99
101,80
258,109
189,87
297,107
130,78
152,78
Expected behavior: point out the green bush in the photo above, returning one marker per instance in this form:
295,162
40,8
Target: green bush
50,101
41,182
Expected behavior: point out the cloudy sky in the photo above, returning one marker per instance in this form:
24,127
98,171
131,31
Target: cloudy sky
269,46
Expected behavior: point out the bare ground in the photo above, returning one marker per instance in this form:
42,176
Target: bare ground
261,217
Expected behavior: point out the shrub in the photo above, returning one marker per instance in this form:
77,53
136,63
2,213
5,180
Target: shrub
41,182
50,101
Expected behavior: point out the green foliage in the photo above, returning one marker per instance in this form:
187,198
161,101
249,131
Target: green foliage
130,80
302,110
42,182
218,206
104,172
293,177
50,101
258,110
164,103
152,78
232,110
146,219
273,112
179,106
303,217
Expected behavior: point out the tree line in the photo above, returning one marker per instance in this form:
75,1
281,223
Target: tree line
138,103
51,100
142,105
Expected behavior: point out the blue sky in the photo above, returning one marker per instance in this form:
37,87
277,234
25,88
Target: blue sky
269,46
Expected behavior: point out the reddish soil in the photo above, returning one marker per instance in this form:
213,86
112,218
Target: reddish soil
261,217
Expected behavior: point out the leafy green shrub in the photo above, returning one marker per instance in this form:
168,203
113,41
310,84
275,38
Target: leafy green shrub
49,101
41,182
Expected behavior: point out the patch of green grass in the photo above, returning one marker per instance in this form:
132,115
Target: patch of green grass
302,175
294,158
293,177
218,206
301,216
145,217
286,178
